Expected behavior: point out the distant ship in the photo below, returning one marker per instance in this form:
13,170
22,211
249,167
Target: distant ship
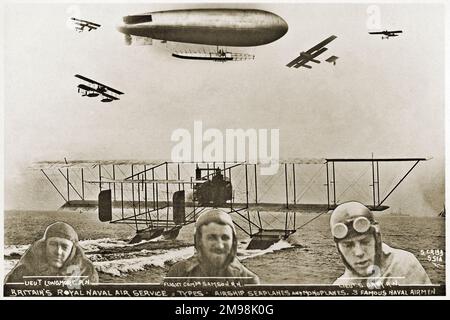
442,213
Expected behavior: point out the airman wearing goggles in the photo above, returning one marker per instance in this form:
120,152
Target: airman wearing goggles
365,256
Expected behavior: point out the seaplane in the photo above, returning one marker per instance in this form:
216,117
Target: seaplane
311,54
95,89
211,27
386,34
158,198
81,24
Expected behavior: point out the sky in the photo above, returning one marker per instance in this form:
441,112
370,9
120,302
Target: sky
385,97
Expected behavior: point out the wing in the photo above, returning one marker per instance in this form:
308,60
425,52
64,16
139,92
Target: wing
87,23
305,58
98,83
321,45
112,89
309,55
78,164
136,181
281,207
386,32
297,61
87,79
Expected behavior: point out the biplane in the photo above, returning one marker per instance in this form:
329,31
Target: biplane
94,89
81,24
386,34
159,198
310,55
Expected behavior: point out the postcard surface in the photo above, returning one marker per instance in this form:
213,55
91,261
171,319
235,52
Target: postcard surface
233,150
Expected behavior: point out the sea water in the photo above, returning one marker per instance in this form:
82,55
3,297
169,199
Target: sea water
309,256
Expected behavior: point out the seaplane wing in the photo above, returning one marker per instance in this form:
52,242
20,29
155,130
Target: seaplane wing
96,88
140,181
88,164
298,62
310,54
386,32
81,24
321,45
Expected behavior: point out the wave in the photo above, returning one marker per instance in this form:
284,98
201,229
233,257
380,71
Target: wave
277,246
122,263
15,250
160,258
90,245
122,267
93,245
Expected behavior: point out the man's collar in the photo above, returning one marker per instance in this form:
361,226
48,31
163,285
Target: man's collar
192,262
233,267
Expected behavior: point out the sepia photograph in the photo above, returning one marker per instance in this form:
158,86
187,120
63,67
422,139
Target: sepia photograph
224,149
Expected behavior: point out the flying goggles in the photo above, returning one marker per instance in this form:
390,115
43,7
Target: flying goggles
360,225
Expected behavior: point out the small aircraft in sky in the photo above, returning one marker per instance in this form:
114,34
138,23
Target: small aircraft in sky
81,24
94,89
305,57
386,33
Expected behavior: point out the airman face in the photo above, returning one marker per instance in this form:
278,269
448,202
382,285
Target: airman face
216,243
359,252
58,251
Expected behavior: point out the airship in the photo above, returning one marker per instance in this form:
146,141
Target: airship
217,27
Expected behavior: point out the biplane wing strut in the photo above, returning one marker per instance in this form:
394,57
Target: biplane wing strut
377,203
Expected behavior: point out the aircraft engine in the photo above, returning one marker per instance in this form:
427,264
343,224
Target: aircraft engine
216,191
